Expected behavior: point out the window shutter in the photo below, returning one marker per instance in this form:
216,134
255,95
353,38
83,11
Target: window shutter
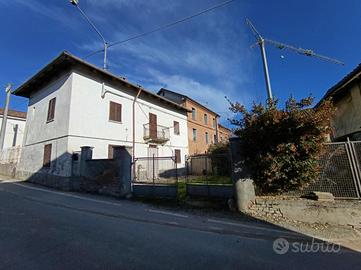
115,111
177,154
176,127
51,110
47,156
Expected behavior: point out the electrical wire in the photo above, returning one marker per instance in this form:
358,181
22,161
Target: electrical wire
165,26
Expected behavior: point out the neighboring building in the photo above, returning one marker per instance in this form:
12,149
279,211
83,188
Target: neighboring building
224,133
15,127
73,104
346,96
203,127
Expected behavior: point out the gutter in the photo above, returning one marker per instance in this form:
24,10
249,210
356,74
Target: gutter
134,101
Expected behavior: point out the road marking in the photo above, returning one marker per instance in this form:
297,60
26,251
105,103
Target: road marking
166,213
66,194
245,226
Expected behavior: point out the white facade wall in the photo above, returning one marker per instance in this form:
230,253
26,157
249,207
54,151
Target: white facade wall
82,119
39,132
13,138
90,126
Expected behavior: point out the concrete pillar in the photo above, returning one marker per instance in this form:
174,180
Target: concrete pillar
86,154
124,157
241,177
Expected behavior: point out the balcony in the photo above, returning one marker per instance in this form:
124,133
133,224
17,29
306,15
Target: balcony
156,134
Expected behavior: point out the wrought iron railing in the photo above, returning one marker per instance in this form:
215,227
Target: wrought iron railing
156,134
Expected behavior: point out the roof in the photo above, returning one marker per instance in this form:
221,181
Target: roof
221,126
65,62
337,88
186,97
14,113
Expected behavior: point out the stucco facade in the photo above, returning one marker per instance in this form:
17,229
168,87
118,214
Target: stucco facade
346,97
15,128
83,95
203,126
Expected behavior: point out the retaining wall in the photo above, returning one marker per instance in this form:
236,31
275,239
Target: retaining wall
339,212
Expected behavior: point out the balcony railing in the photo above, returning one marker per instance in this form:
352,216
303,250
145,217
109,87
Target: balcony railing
156,134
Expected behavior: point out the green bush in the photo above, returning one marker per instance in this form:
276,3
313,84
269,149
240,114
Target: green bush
282,146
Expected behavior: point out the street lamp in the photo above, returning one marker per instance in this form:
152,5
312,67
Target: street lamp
105,43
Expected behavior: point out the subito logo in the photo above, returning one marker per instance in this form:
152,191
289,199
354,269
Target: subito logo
281,246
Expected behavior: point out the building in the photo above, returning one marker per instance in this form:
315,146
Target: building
73,103
203,126
224,133
15,128
346,96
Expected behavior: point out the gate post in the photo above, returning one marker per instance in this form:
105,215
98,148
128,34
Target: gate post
243,186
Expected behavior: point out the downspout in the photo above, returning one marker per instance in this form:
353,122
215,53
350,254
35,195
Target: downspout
134,101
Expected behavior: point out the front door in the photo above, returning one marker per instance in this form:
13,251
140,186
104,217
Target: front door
152,170
152,126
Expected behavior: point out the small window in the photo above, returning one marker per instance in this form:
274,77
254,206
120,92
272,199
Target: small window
194,135
176,127
205,118
115,112
215,138
51,110
47,156
214,123
207,138
193,113
178,158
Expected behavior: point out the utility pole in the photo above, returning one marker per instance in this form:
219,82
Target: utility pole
5,116
105,43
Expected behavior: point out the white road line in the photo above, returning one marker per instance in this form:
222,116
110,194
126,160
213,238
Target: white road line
166,213
66,194
245,226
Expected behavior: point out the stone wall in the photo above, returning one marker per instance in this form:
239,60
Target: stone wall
339,212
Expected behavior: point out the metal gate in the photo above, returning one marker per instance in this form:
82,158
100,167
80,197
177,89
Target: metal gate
340,170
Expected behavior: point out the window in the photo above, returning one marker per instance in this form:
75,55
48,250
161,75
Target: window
205,118
194,135
176,127
51,110
214,123
193,113
215,138
177,154
47,156
207,138
115,112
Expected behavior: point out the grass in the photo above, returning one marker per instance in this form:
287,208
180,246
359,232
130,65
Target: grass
211,180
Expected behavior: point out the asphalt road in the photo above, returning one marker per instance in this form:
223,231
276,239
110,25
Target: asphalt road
46,229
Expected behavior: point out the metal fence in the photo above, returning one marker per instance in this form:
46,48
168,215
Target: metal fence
216,169
339,170
155,170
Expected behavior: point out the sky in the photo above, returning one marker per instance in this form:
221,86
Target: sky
206,58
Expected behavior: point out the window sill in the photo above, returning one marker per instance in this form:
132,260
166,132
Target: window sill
115,122
49,121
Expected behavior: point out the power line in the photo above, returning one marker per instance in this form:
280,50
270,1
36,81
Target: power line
165,26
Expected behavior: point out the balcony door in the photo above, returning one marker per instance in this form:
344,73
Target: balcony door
152,126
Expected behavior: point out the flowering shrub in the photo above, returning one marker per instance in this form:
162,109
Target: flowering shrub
282,145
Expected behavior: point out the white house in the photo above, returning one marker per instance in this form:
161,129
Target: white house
15,127
73,103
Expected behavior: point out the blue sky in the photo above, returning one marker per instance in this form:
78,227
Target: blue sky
206,58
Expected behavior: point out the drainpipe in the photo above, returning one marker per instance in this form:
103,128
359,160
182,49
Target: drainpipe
134,101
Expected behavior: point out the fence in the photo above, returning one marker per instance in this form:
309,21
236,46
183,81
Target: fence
209,169
155,170
209,176
339,170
